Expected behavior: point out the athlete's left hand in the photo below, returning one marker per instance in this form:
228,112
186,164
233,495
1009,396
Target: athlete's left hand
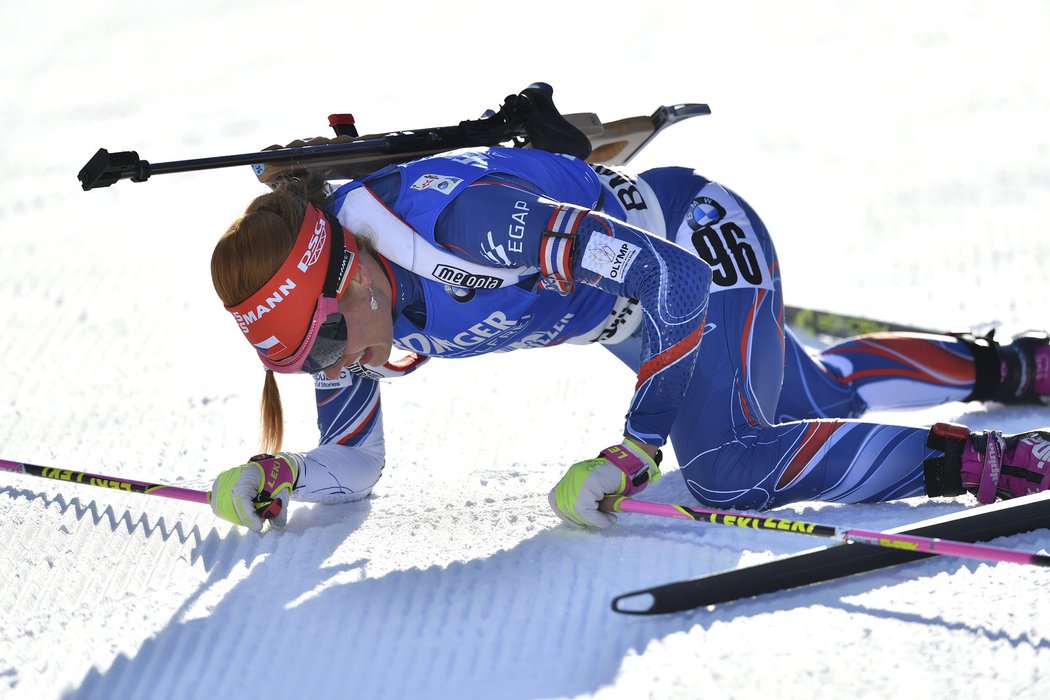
621,470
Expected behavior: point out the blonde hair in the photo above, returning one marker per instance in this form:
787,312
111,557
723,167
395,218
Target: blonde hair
249,254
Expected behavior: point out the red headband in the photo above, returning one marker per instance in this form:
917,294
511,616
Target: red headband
277,319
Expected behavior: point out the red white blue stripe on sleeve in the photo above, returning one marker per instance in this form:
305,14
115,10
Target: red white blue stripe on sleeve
556,248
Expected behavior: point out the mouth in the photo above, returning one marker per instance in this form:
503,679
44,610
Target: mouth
362,358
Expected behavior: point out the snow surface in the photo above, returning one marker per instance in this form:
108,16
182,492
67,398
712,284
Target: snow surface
899,151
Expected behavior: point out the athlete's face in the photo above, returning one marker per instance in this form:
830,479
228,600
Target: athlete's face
369,332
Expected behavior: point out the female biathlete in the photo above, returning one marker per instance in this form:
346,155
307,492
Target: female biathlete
493,249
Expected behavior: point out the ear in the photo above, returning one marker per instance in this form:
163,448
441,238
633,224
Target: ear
363,274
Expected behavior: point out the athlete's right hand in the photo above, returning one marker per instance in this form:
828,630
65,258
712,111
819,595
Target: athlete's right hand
251,493
271,173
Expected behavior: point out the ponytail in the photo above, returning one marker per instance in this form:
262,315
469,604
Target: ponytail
272,415
249,254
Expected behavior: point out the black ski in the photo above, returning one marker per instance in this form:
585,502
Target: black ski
838,561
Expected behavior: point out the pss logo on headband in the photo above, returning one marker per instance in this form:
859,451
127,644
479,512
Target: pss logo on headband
315,246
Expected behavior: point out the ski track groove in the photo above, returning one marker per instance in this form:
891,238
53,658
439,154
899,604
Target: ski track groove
67,531
470,651
448,602
401,600
455,611
340,569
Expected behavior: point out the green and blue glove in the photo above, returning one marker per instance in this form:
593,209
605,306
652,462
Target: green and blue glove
621,470
257,491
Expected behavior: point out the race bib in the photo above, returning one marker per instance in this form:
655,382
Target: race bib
723,237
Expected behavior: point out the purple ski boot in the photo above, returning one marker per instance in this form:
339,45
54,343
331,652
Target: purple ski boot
989,464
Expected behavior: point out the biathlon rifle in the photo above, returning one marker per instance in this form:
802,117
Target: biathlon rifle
527,119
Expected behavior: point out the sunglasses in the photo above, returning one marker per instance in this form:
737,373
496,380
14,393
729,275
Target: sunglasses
329,342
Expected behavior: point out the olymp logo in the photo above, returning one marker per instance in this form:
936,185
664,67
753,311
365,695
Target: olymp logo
609,257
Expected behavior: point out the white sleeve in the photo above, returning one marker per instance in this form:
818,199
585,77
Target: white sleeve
349,460
338,473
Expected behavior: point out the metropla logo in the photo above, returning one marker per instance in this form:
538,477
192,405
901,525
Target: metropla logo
315,246
462,278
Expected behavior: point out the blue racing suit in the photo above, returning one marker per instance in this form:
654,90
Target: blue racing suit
646,266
